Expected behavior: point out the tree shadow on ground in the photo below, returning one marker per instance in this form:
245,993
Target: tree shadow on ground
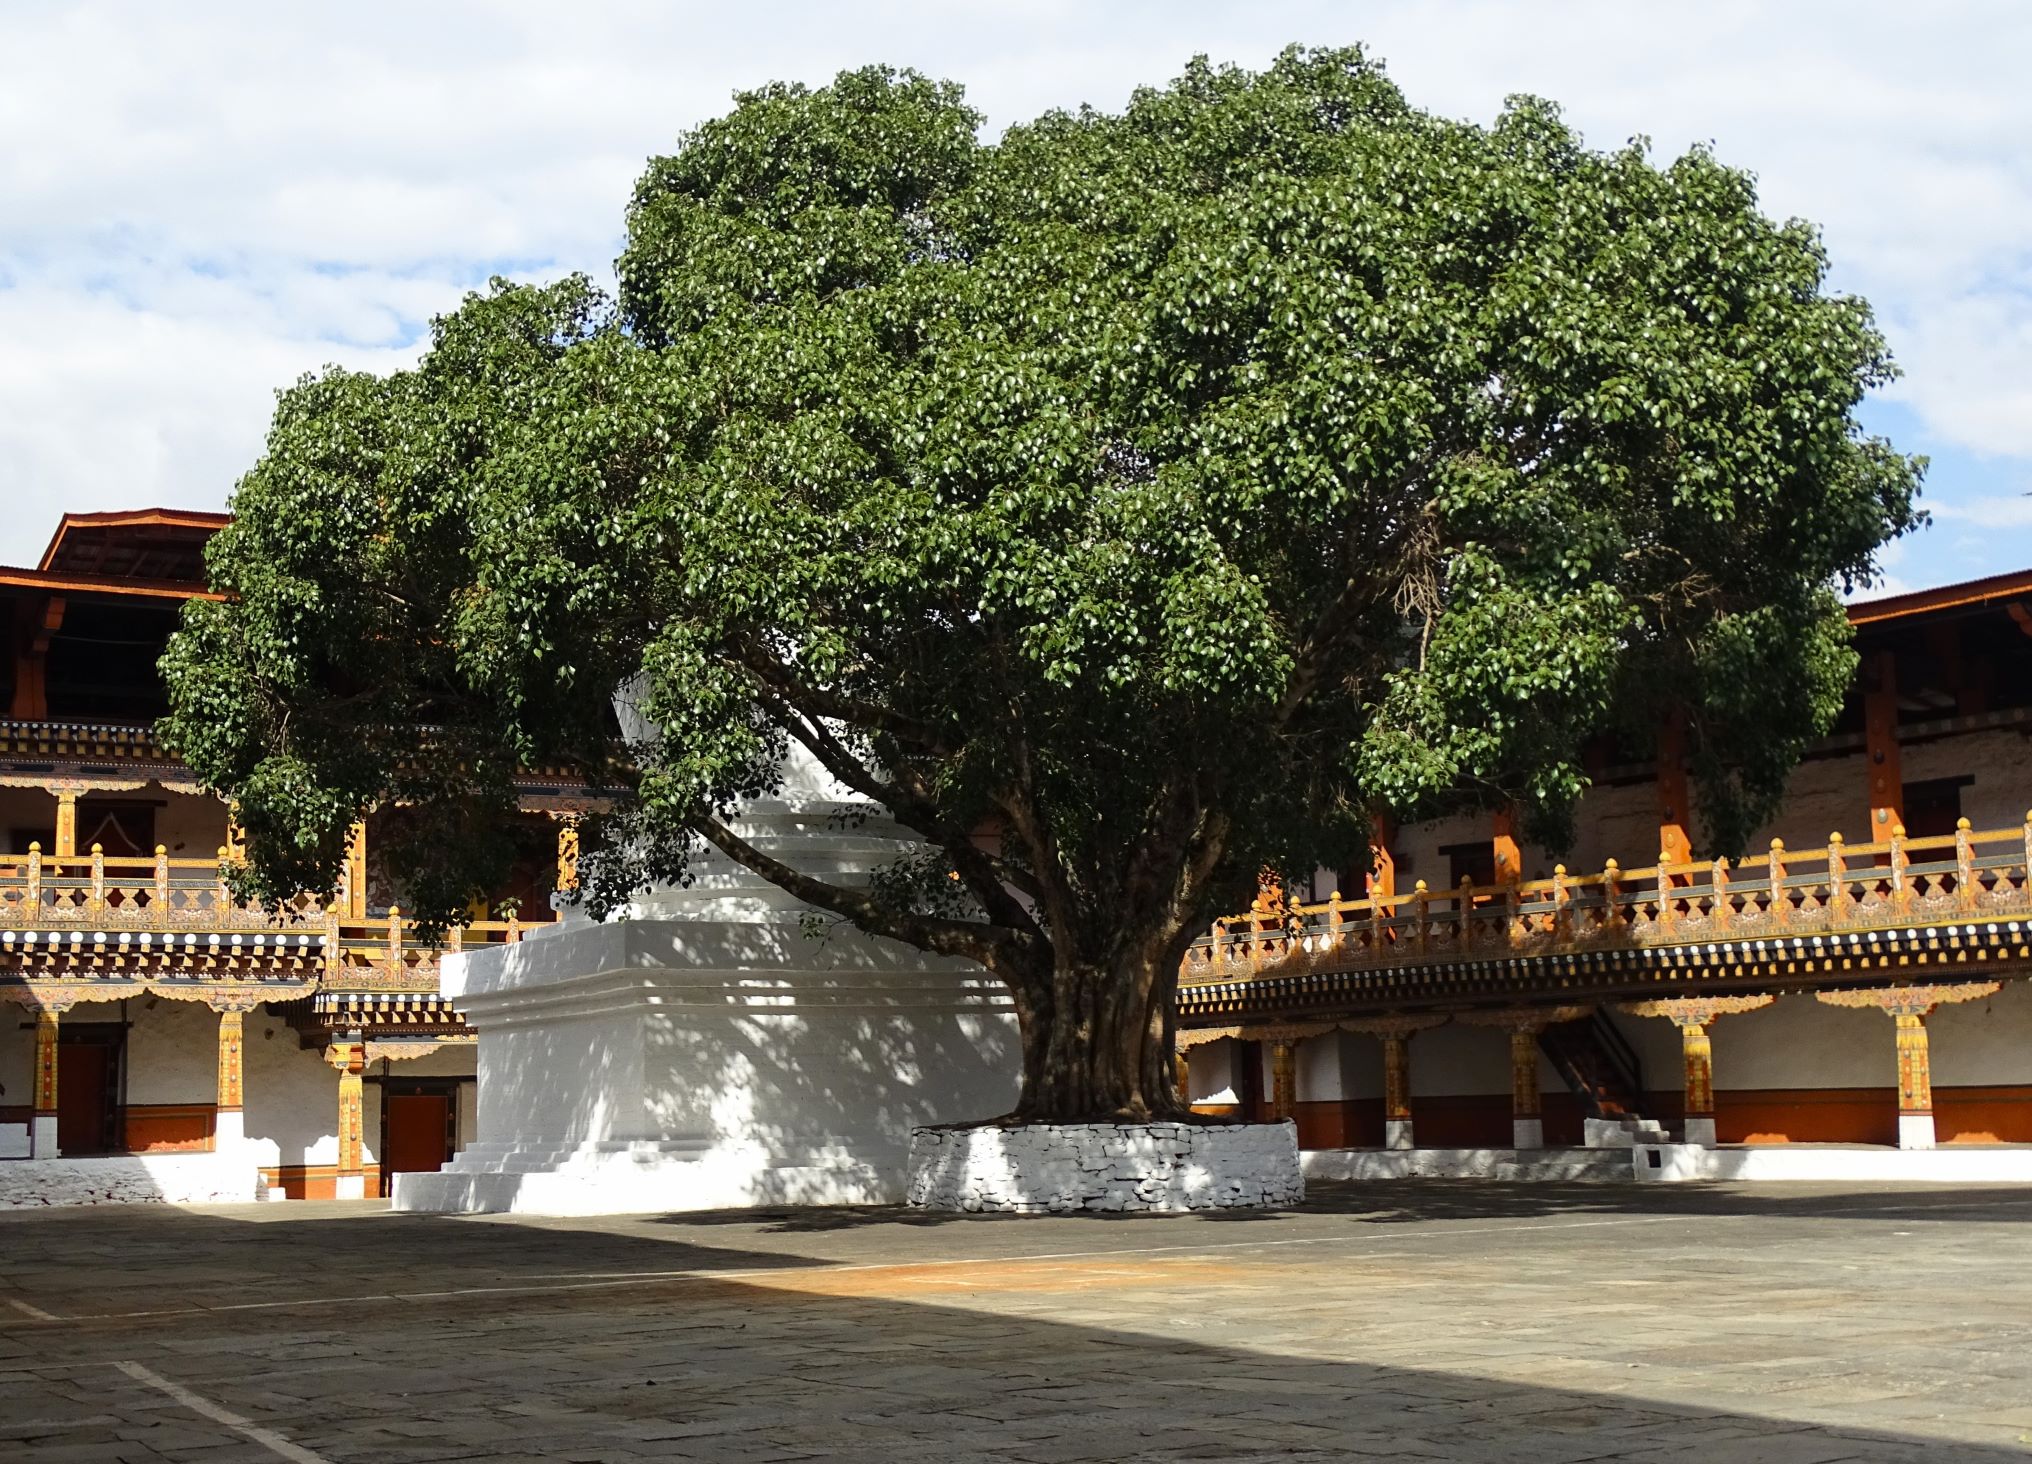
1412,1201
1032,1362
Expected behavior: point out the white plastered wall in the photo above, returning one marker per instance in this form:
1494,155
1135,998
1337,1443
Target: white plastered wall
292,1097
2000,762
1460,1061
1800,1042
1983,1044
189,825
1215,1074
17,1074
1659,1050
172,1051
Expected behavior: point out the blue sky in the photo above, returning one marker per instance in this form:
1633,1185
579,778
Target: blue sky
200,202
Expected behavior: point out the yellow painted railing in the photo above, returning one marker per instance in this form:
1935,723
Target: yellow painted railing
105,911
1837,889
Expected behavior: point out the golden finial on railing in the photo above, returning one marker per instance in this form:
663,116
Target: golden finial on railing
1781,903
1666,913
1965,886
1723,904
1421,902
1612,894
35,868
1562,902
161,878
98,896
1901,888
1837,875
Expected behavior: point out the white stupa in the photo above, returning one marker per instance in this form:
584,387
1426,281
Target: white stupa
702,1050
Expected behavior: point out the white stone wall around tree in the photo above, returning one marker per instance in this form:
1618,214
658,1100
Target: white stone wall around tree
1067,1168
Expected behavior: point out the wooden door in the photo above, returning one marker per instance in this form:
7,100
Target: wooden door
417,1131
87,1095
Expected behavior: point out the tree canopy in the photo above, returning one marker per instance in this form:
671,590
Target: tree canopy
1129,504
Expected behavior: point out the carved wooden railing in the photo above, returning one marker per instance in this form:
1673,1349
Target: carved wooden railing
1841,888
109,910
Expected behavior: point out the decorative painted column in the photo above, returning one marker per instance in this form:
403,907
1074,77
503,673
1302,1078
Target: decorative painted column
1915,1082
229,1128
1675,845
356,872
1693,1015
1527,1126
1880,745
1397,1092
1908,1007
567,855
1509,859
66,824
349,1057
1382,861
1283,1079
42,1123
1396,1031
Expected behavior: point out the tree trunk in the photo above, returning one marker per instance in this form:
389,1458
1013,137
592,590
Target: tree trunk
1097,1045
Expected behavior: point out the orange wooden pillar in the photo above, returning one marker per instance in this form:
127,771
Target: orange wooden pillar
1509,859
1283,1079
1397,1132
1880,745
1675,812
1527,1125
1382,858
1908,1007
66,824
349,1057
229,1126
42,1120
1395,1030
355,907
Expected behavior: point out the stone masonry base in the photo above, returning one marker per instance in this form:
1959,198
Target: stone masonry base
1061,1168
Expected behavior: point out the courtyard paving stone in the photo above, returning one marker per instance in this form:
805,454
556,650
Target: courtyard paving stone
1515,1325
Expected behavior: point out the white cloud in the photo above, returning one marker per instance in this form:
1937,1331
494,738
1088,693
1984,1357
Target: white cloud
197,203
1993,512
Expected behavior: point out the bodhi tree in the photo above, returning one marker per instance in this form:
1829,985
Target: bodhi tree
1130,505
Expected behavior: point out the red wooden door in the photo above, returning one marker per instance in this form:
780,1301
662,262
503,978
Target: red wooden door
419,1132
84,1081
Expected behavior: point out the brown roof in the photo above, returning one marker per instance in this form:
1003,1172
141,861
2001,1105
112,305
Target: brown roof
158,546
1995,589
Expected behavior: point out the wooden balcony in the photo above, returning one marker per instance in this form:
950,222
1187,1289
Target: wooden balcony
98,915
1901,909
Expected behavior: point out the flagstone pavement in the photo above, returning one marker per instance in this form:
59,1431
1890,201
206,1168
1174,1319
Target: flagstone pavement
1509,1324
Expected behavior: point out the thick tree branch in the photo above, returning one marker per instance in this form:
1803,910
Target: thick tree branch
818,702
996,947
913,810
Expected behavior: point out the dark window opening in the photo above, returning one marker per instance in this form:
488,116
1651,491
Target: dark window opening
1933,807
